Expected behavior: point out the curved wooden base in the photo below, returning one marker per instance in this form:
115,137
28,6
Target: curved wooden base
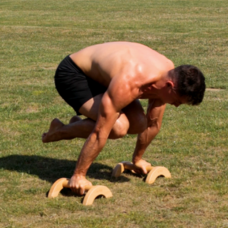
154,172
91,195
57,187
94,192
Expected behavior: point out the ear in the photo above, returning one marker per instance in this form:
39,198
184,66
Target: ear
170,84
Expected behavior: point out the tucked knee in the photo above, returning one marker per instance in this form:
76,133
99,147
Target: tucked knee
120,129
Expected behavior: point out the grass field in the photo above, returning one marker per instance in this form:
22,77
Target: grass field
192,144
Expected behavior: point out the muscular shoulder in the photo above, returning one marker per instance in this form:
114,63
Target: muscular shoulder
157,65
160,61
169,64
152,68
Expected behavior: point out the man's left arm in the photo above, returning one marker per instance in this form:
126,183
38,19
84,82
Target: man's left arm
154,115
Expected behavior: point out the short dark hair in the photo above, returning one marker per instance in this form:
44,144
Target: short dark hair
190,82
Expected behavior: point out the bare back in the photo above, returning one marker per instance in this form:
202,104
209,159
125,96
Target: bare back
103,62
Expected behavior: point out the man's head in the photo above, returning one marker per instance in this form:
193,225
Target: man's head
189,82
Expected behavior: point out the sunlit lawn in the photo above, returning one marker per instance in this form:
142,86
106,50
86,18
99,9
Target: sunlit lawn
192,144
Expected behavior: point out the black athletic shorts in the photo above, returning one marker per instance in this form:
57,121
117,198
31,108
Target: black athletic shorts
74,86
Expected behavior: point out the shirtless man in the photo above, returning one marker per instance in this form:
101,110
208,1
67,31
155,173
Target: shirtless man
104,82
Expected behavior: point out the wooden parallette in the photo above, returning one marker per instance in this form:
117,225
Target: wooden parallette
154,172
92,191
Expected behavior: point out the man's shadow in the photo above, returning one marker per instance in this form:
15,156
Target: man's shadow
51,169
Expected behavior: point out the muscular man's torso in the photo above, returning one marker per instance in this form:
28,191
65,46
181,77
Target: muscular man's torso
138,64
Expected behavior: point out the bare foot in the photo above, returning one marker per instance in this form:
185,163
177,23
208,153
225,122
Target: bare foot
75,119
54,132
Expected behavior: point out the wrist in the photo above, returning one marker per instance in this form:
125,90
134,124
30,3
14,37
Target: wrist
79,174
77,177
135,159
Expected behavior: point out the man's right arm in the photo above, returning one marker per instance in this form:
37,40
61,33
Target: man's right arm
94,143
114,99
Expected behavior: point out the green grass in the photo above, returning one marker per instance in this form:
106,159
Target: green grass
192,144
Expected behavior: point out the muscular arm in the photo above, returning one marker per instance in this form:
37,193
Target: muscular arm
155,113
114,99
97,139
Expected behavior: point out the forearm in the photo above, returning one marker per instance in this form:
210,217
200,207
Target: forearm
143,141
89,152
155,113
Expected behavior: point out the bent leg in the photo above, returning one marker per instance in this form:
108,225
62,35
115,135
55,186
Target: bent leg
137,119
132,120
77,128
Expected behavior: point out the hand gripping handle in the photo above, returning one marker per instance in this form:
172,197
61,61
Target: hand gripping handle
91,195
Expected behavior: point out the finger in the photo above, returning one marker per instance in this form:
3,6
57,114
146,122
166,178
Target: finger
144,170
90,184
78,190
74,190
139,171
81,191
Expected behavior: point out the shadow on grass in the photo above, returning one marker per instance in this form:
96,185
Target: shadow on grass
51,169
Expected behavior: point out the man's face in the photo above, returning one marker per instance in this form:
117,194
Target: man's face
178,100
170,96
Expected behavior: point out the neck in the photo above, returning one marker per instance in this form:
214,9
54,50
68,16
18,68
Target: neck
154,90
149,91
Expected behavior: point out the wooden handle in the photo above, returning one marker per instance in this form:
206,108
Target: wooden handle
65,184
59,185
131,166
120,167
